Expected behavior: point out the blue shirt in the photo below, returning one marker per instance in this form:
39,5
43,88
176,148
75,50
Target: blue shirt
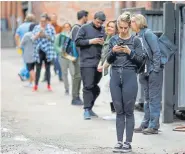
22,29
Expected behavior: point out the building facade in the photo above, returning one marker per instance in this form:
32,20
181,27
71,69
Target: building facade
13,12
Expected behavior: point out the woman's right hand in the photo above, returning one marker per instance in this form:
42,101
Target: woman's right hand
100,68
116,48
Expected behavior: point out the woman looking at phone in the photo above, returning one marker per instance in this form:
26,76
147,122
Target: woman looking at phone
124,56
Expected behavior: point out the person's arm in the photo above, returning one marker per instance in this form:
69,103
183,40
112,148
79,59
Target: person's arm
80,39
111,56
17,37
137,54
35,34
152,41
51,34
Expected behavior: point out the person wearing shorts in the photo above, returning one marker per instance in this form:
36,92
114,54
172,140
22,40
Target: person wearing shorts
28,54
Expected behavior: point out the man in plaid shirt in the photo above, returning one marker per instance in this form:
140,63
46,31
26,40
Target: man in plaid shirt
43,37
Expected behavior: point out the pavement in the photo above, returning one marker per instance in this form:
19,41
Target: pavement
46,123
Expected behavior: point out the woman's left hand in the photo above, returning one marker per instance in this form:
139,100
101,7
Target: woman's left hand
126,49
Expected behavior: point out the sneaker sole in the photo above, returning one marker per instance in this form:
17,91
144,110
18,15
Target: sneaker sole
138,132
146,133
126,151
118,151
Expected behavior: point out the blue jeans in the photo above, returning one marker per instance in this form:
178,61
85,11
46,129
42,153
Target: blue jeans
152,85
57,67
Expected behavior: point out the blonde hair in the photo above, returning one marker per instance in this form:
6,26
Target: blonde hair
140,21
29,18
124,17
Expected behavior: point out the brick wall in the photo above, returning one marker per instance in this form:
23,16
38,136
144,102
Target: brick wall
67,11
10,10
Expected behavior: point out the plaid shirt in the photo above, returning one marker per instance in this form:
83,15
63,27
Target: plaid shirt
44,44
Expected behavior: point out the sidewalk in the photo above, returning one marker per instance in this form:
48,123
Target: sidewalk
49,119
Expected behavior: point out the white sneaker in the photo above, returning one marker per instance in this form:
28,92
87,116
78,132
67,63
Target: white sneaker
29,85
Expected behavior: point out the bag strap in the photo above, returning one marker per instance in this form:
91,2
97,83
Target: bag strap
144,34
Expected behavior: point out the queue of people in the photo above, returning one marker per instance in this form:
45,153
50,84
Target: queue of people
89,49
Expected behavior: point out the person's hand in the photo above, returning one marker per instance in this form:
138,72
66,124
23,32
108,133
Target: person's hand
117,48
126,49
96,41
100,68
37,35
101,41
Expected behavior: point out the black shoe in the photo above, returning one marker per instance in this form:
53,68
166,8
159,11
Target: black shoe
139,130
139,107
77,101
118,147
127,147
92,113
150,131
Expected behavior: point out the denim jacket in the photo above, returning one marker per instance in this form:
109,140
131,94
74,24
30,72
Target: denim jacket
150,43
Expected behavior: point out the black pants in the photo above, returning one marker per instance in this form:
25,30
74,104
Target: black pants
123,87
42,57
90,78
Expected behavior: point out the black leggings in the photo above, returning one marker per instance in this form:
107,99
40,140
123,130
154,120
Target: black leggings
42,56
123,87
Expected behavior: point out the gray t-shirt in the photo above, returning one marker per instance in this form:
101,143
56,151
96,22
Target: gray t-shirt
28,48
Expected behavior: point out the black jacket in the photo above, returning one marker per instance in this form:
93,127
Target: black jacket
89,54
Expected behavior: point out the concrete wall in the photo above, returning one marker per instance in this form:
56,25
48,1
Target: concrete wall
7,40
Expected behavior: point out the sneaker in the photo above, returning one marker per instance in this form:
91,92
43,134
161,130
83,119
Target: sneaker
150,131
29,85
87,115
76,102
127,147
35,88
49,88
118,147
138,130
92,113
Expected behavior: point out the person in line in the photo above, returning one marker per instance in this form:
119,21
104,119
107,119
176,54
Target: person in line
82,17
21,30
111,30
152,79
28,54
64,62
58,29
125,54
90,39
43,37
